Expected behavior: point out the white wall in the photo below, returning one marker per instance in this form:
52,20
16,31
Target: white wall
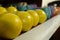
45,2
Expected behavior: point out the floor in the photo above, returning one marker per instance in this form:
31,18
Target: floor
56,35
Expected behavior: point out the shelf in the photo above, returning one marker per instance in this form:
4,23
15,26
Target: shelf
43,31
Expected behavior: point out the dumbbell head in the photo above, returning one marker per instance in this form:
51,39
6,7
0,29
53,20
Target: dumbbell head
47,11
52,10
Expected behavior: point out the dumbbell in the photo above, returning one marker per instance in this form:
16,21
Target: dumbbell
28,7
52,10
47,11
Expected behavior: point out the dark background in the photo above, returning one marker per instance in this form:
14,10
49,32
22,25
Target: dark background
6,2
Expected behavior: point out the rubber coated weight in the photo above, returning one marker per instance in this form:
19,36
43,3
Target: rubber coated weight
48,12
28,7
21,8
42,15
52,11
56,10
